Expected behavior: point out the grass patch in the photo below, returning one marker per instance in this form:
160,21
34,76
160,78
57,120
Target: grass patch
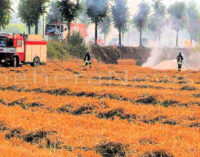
157,154
111,149
188,88
147,100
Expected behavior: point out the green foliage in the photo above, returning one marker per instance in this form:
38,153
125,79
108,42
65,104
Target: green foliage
69,10
76,45
31,10
5,12
62,50
15,28
25,13
57,50
54,14
96,10
120,14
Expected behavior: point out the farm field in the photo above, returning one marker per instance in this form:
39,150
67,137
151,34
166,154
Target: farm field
67,110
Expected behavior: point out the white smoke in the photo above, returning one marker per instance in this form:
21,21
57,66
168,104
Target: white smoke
156,56
162,58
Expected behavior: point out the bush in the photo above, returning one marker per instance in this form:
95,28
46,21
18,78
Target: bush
57,50
76,45
62,49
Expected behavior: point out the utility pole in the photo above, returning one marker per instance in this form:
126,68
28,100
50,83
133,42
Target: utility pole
43,27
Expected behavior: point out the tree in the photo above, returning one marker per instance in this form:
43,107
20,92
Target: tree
105,26
97,11
76,45
69,11
25,13
32,11
193,22
178,14
140,18
54,14
5,13
39,8
120,16
83,17
158,19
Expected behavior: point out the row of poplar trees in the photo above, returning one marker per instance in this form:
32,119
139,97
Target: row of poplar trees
30,12
91,11
152,18
105,12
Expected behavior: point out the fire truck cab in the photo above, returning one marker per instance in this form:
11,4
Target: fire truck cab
22,49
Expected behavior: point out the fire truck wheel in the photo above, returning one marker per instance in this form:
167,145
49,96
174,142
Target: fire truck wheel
36,62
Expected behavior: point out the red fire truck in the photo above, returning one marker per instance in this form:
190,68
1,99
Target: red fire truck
60,30
25,49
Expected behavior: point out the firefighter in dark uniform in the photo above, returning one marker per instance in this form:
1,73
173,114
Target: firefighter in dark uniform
87,59
180,61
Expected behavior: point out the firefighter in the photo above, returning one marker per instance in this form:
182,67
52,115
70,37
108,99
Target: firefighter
180,61
87,59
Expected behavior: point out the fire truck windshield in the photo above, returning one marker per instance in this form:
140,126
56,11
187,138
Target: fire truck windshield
5,42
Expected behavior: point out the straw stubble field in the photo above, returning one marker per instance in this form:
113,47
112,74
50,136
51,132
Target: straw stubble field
109,110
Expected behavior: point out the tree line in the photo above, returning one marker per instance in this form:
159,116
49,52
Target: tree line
105,13
5,13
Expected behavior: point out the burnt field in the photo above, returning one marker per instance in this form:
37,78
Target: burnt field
107,111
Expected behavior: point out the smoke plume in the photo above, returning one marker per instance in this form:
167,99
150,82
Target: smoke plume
165,58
